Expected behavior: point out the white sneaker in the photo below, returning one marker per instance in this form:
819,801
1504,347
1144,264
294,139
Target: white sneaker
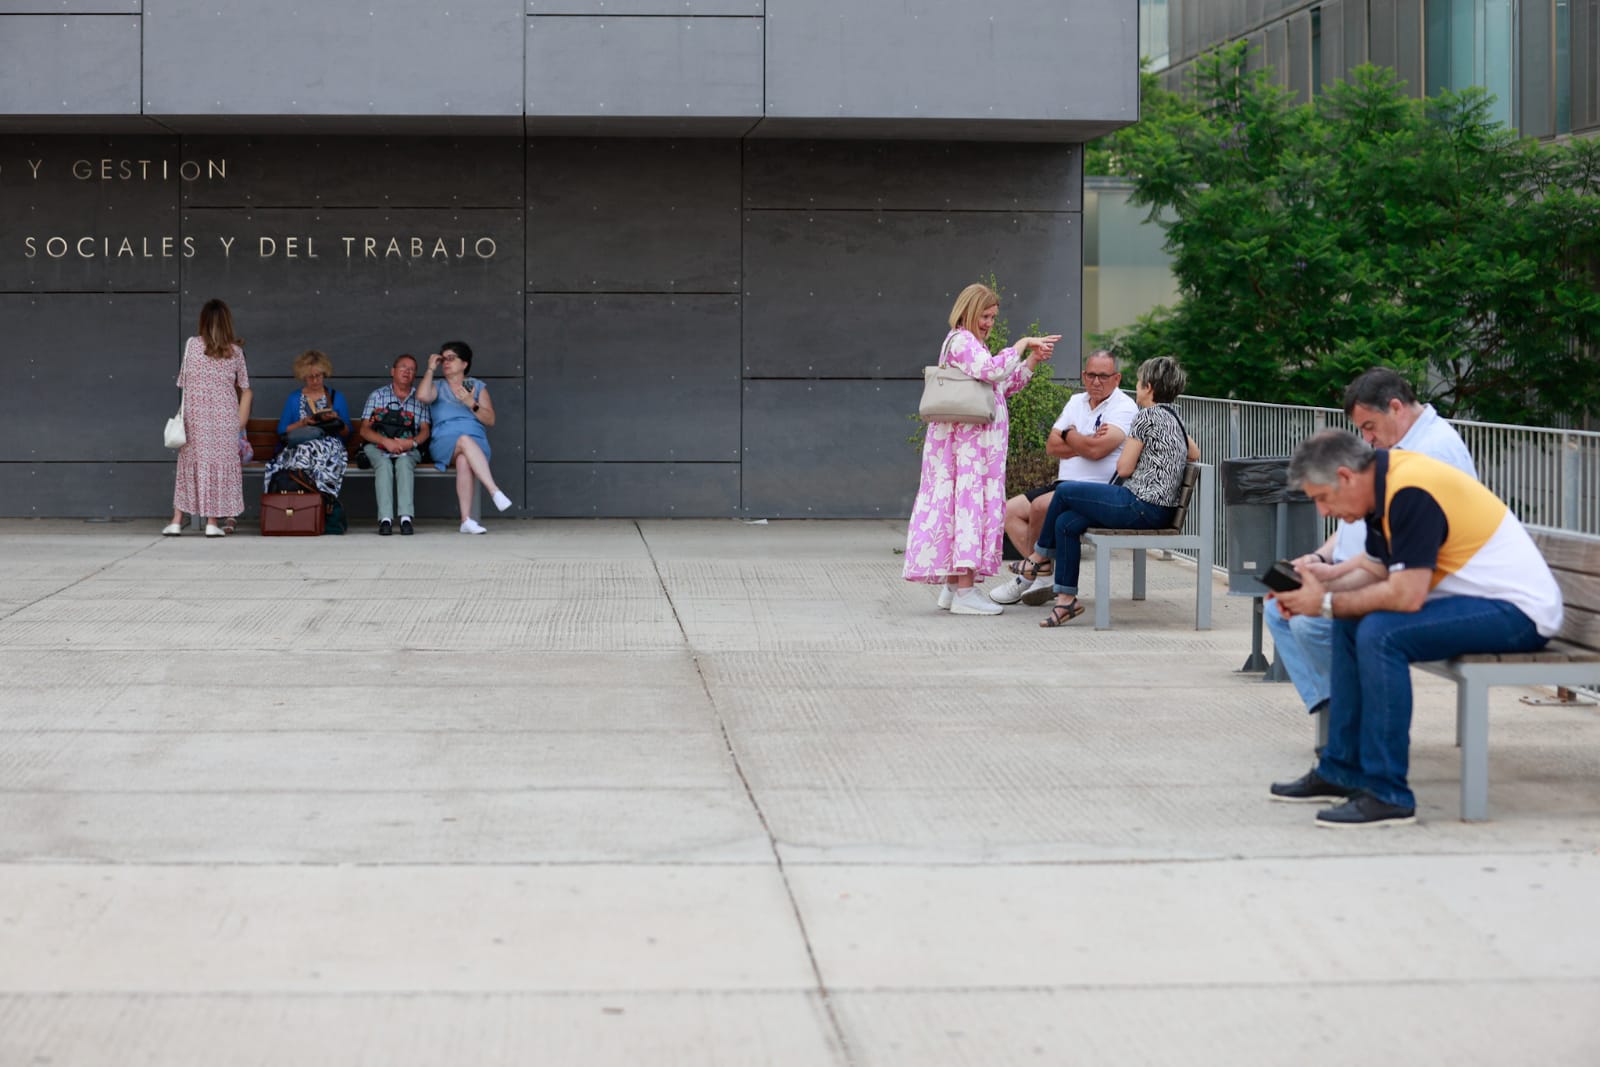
1010,590
972,602
172,529
947,593
213,530
471,526
501,501
1042,591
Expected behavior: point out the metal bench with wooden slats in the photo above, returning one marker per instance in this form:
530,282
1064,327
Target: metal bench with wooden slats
1197,480
1569,661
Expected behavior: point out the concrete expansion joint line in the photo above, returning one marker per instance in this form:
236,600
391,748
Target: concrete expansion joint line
755,805
74,584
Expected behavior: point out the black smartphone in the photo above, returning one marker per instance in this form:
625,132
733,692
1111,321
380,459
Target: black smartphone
1280,577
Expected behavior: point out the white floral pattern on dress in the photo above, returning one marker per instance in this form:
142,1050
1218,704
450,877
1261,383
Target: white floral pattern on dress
958,521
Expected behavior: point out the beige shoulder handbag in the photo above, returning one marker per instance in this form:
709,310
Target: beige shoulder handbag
948,395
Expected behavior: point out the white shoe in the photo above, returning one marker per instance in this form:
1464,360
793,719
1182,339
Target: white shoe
471,526
1042,591
1010,590
172,529
972,602
947,593
213,530
501,501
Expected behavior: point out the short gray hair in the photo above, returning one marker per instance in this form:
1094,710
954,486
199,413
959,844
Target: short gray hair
1320,456
1165,378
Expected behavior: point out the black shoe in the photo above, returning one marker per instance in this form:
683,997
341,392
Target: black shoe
1365,810
405,527
1310,788
385,528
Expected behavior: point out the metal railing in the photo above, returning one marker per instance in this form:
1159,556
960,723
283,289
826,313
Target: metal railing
1547,477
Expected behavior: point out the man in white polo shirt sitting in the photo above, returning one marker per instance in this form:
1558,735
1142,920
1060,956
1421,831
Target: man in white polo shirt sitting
1087,439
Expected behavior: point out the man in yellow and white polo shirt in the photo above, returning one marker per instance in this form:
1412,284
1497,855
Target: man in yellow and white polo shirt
1448,570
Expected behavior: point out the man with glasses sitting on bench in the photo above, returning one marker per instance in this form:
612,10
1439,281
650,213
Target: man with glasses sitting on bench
1086,439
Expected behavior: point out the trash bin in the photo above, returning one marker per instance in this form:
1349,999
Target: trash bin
1267,519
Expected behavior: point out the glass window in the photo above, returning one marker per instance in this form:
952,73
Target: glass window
1153,33
1472,42
1316,50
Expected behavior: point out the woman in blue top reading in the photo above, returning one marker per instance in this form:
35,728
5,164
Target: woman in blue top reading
461,412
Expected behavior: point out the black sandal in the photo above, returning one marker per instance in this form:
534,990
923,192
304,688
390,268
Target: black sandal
1027,568
1062,614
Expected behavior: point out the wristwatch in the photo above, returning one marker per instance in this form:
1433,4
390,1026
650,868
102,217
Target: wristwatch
1327,605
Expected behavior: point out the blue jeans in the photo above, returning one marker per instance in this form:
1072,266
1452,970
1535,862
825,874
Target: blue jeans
1304,645
1369,719
1079,505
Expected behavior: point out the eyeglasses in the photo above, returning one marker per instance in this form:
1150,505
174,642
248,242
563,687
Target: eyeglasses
1100,377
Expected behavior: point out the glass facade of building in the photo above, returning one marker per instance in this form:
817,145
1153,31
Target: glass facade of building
1539,58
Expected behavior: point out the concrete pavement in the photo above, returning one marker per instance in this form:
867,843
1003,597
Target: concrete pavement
606,792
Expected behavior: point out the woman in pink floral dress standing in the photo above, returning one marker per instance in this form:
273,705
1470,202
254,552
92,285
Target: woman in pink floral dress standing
958,521
216,406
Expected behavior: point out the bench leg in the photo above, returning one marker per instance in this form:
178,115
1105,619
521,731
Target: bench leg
1322,728
1472,729
1102,587
1138,574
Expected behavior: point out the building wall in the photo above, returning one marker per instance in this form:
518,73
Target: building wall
703,326
1540,59
702,250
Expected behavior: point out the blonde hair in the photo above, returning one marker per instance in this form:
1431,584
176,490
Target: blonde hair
310,360
974,300
216,330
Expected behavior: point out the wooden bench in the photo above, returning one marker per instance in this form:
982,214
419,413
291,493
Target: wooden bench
1570,660
263,437
1197,480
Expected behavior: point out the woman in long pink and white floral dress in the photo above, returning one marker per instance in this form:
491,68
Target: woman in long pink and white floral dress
958,522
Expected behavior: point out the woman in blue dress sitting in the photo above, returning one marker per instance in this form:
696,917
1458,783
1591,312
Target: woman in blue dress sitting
462,412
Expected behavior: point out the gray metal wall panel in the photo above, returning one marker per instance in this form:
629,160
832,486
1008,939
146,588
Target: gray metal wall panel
629,490
865,294
391,172
66,65
1355,35
1585,65
829,449
1298,70
1276,52
68,219
1333,65
605,66
206,59
633,216
912,175
1254,12
107,490
362,311
1381,35
1535,104
1008,59
70,7
1408,44
645,7
633,377
91,377
1256,57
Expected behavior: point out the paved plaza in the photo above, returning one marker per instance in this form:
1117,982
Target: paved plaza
710,792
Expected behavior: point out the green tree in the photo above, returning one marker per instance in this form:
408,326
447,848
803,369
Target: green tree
1312,241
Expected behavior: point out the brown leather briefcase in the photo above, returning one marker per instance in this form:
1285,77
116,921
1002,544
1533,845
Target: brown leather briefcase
291,514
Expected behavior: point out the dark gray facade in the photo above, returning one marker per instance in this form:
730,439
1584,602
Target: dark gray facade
701,257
